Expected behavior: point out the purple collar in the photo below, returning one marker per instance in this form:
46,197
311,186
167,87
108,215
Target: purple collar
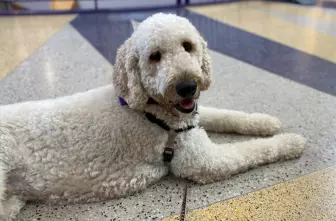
122,101
150,101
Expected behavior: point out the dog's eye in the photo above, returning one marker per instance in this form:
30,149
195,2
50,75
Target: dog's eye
187,46
155,56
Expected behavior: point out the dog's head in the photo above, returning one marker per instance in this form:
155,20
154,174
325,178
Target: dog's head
165,59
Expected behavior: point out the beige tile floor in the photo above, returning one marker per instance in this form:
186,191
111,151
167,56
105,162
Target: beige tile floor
21,36
314,13
308,198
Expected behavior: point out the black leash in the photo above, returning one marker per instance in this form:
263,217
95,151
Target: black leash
184,203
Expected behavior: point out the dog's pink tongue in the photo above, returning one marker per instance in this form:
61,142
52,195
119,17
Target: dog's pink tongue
187,104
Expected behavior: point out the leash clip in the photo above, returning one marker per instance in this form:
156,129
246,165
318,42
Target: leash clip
168,155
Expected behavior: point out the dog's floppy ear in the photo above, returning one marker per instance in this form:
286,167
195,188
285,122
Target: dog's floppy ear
206,65
126,77
135,25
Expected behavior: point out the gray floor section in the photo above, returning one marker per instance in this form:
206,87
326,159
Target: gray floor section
68,64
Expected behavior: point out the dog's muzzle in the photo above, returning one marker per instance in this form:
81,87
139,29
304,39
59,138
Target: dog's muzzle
186,90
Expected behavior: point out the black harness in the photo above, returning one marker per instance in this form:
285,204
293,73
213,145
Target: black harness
168,153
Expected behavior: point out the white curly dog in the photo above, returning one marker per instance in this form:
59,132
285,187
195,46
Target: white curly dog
116,140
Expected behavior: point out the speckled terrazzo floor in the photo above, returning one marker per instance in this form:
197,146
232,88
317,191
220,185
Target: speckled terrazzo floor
292,78
160,200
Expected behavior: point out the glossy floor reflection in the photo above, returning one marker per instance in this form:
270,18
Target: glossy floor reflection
269,57
257,19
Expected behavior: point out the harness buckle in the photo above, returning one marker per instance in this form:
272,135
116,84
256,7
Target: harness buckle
168,155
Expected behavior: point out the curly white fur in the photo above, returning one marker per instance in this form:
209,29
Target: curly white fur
87,147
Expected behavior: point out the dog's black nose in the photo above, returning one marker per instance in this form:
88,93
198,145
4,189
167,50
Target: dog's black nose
186,88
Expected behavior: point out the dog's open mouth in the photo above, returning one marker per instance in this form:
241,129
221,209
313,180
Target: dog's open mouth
186,105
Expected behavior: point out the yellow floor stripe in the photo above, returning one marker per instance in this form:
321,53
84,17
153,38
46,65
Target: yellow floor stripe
242,16
63,5
21,36
308,198
314,13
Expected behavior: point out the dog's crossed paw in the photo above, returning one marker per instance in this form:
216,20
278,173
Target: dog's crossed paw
262,125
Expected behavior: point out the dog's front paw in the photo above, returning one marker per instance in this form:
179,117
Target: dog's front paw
265,125
290,145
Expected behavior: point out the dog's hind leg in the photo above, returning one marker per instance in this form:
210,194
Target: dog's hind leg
11,208
136,179
10,205
2,188
229,121
199,159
